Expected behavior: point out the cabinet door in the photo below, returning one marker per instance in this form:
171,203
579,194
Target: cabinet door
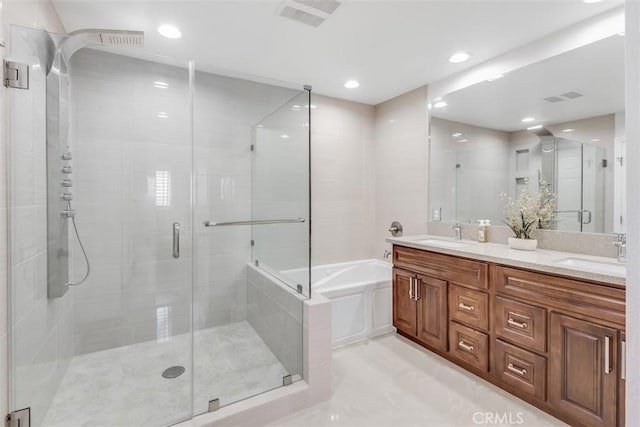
432,312
404,307
582,376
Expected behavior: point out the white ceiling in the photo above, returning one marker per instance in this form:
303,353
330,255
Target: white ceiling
390,46
595,70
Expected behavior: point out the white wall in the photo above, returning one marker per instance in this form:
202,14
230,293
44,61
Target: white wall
401,166
633,206
342,180
40,371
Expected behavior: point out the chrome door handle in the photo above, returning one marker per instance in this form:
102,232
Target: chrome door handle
176,240
465,346
520,371
466,307
521,325
623,360
607,362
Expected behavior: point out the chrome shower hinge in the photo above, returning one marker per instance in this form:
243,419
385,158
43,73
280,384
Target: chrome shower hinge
21,418
214,405
287,380
16,75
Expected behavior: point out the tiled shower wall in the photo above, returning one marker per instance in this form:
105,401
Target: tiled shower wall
133,165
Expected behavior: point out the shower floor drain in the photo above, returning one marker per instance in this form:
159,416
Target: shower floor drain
173,372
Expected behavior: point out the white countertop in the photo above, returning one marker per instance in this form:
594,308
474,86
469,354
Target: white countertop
541,259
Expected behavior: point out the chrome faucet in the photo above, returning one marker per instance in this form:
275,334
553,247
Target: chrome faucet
621,244
387,253
458,229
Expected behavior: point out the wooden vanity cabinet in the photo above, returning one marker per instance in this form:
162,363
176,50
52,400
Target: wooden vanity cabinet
555,342
420,307
583,367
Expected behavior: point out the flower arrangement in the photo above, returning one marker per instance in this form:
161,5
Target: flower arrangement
530,212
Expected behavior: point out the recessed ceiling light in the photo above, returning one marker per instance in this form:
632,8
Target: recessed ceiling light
161,85
621,33
594,140
527,119
295,107
440,104
163,115
305,124
463,140
312,106
459,57
260,126
169,31
351,84
535,127
568,130
455,135
284,136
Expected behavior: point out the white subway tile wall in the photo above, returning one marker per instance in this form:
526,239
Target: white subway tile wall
401,159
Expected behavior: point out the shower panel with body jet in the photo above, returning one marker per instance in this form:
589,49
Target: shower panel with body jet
59,156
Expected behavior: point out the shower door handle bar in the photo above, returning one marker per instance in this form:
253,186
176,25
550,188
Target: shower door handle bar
176,240
257,222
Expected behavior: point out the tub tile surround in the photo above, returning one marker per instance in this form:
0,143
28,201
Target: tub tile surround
594,244
541,259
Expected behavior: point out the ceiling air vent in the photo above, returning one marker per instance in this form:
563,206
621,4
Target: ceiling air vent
553,99
572,95
326,6
309,12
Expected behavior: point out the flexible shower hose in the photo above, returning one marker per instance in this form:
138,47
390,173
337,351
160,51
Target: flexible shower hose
84,253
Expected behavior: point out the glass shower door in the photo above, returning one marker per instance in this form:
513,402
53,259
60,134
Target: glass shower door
103,140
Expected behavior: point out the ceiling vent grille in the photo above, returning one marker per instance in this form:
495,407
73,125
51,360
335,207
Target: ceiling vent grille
572,95
326,6
553,99
309,12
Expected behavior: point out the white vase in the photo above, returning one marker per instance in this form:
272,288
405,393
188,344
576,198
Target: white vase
523,244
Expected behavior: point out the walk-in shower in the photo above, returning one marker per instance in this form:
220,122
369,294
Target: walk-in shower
176,318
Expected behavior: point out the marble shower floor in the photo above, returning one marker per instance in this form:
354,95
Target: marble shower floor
124,387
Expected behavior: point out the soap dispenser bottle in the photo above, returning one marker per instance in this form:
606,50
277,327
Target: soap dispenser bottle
482,231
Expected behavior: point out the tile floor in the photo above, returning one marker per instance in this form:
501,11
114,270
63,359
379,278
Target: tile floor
123,387
391,382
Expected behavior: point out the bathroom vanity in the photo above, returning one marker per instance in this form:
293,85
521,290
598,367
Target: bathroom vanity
533,324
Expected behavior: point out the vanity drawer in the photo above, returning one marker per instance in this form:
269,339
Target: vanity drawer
469,346
521,369
446,267
521,323
469,306
600,300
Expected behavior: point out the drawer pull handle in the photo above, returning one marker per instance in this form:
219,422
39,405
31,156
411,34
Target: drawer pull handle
519,371
521,325
466,307
465,346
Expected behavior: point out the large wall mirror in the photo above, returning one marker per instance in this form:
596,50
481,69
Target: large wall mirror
559,121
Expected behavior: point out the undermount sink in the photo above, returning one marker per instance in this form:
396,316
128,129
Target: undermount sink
604,267
445,243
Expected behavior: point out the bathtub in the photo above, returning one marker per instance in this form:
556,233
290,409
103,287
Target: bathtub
360,294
